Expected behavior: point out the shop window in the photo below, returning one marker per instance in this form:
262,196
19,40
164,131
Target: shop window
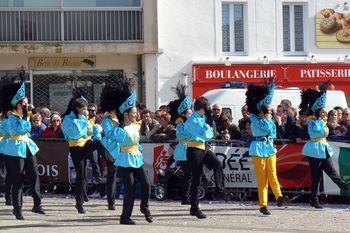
293,28
233,28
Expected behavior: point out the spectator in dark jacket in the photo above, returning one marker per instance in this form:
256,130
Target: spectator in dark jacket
242,123
301,129
149,125
37,127
233,130
166,132
54,130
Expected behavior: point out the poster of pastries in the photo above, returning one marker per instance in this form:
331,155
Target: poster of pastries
333,24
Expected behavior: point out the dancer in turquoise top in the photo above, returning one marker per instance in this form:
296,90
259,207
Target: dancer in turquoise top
198,132
75,127
4,137
262,149
109,122
180,111
19,149
120,100
317,149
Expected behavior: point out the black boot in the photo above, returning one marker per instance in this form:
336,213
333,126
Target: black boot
315,203
282,200
264,210
38,210
18,213
80,209
111,207
185,202
127,221
198,213
8,200
223,195
148,215
86,198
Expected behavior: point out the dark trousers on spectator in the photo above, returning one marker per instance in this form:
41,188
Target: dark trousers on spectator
111,182
8,185
195,157
79,155
17,169
213,163
186,181
128,176
317,167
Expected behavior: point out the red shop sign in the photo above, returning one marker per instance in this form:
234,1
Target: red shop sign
210,76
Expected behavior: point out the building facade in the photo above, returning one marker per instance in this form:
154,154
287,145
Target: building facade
66,43
203,43
206,43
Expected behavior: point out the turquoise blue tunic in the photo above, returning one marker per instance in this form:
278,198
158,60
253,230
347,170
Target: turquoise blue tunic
196,129
74,128
127,137
4,134
111,145
264,131
317,129
181,148
96,134
16,126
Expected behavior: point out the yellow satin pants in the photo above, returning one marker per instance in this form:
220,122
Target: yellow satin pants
266,173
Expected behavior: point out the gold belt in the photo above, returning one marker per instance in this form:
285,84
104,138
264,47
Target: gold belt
199,145
22,137
134,149
322,140
80,142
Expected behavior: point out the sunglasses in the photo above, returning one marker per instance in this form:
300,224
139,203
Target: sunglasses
216,109
91,110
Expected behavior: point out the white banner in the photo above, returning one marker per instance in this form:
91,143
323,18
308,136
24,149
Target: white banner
238,170
341,163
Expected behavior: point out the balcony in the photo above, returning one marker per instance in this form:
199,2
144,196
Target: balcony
21,25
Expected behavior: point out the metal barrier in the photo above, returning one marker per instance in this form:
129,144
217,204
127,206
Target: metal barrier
239,173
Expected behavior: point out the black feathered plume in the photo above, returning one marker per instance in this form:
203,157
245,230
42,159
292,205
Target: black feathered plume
254,95
114,95
180,91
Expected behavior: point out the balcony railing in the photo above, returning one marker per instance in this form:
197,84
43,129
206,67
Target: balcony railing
23,26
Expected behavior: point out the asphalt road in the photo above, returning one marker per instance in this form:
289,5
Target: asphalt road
171,217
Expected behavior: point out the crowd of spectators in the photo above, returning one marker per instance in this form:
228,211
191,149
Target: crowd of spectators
159,126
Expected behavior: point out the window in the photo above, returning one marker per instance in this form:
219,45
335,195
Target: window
293,28
233,28
61,20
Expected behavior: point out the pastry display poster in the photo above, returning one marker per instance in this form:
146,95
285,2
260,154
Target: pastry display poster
332,24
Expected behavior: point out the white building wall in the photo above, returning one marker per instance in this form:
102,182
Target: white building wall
186,30
190,32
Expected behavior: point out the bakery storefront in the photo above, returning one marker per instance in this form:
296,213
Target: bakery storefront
213,76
